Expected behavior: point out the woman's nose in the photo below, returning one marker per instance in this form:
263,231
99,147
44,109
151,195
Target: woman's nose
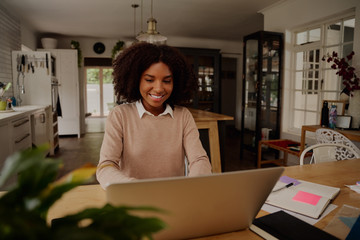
158,86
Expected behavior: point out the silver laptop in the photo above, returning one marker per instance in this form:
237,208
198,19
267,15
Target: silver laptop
200,206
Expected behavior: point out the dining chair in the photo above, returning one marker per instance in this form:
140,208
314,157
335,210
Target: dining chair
327,152
325,135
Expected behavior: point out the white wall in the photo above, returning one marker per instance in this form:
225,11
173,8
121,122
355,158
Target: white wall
289,15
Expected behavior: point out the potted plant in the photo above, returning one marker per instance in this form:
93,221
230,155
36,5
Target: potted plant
76,45
24,207
116,49
351,82
3,88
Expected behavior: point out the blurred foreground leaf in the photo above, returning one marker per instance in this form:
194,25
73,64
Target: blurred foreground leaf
23,209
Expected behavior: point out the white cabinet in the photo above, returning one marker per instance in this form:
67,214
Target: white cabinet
4,142
21,133
68,76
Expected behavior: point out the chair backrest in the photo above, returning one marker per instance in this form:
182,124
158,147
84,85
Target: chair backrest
325,135
326,152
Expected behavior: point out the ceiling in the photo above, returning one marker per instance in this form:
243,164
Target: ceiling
212,19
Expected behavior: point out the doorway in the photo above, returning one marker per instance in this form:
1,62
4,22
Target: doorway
99,91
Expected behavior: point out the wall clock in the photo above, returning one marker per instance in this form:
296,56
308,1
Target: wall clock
99,47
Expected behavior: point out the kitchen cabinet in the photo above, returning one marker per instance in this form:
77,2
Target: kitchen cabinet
4,142
68,78
17,131
206,65
262,78
21,133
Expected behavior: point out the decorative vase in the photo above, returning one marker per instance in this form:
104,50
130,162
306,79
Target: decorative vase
354,109
2,105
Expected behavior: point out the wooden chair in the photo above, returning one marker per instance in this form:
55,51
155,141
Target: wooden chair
327,152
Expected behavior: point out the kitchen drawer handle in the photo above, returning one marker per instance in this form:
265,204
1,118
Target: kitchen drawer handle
19,124
20,140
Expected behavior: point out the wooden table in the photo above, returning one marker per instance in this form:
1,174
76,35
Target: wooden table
209,120
346,172
353,135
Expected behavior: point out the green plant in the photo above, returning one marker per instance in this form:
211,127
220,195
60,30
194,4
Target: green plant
118,46
24,207
76,45
3,88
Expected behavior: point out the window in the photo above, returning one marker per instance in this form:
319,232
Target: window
314,80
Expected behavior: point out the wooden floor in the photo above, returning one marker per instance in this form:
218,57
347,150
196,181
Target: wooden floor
76,152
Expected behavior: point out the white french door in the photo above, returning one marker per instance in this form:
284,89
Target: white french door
99,91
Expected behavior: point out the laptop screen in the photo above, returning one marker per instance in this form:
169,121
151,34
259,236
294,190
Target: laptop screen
200,206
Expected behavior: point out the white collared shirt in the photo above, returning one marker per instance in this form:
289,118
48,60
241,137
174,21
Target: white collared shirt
141,110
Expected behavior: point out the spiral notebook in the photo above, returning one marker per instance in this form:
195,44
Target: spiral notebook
307,198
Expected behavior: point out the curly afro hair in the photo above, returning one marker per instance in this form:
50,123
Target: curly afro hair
130,65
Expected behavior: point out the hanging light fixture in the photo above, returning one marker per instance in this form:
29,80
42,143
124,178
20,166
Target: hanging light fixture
151,35
134,6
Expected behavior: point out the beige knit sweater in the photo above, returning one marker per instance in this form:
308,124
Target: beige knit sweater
149,147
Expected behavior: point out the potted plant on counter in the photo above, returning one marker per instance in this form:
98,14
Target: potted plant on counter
24,207
3,88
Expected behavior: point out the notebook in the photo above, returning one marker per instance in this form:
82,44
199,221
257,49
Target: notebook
307,198
280,225
200,206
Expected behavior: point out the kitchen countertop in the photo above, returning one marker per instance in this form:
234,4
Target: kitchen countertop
27,109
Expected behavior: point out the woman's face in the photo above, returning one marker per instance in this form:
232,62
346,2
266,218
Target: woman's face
156,85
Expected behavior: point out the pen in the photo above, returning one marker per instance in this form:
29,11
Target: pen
286,186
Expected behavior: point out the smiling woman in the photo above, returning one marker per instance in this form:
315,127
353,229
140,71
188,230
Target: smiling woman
151,135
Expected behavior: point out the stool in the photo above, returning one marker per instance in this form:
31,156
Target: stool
283,145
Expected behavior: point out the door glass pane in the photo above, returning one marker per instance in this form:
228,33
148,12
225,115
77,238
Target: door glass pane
108,90
93,91
349,26
206,83
314,35
250,92
333,34
301,38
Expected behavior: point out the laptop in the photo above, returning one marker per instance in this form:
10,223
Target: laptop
200,206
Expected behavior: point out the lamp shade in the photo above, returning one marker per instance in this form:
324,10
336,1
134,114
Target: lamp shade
152,36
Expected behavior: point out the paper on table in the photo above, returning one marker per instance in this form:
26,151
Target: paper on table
271,209
355,188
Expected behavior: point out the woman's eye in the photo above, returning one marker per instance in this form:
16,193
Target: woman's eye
148,80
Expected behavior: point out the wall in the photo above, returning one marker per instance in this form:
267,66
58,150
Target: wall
9,40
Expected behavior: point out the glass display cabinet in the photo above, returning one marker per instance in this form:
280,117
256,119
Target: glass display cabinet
206,65
261,96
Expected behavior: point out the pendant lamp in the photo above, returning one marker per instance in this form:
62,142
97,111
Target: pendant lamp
151,35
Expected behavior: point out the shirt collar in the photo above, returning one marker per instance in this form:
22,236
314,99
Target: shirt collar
141,110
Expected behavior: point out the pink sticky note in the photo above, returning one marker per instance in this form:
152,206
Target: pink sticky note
306,197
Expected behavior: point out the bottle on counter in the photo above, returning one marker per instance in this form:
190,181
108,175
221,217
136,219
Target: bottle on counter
325,115
332,117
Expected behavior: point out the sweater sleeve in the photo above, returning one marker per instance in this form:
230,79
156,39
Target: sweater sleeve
108,169
196,155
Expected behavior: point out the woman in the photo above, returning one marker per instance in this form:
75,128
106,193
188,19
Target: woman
150,136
